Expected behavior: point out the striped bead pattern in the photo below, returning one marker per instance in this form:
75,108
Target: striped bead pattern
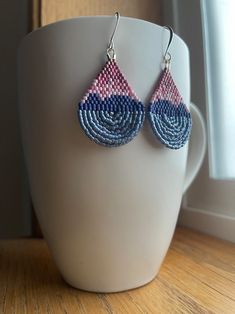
169,117
110,113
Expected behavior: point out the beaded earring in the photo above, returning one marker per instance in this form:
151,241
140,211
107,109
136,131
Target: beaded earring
169,117
110,113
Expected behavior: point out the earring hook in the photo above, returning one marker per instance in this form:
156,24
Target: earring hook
110,50
167,55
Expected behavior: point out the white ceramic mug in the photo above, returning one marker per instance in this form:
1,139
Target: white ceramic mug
107,214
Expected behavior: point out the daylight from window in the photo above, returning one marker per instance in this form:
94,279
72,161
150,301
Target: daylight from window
219,48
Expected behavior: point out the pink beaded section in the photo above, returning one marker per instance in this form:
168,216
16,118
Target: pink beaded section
167,89
110,81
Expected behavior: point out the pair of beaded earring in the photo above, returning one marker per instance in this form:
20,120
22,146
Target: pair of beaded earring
111,114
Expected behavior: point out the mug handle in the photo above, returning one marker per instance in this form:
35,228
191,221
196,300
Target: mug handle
197,147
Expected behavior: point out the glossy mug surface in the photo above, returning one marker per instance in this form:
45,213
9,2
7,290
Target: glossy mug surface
107,214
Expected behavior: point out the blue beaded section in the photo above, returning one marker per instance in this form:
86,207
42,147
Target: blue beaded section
170,123
111,122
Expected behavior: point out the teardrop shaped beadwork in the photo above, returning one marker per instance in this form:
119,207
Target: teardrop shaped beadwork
110,113
169,117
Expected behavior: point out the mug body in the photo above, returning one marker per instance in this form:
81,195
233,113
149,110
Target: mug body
107,214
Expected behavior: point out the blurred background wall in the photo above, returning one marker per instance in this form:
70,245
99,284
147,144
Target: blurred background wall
15,212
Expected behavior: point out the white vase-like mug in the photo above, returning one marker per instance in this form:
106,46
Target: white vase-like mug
107,214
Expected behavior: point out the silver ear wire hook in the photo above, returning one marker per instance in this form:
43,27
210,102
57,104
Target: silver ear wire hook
110,50
167,55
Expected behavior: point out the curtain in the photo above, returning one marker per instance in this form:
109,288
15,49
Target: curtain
218,23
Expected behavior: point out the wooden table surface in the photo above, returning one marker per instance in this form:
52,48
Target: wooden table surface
197,276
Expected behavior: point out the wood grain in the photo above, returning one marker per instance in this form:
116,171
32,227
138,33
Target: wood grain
54,10
34,14
197,276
